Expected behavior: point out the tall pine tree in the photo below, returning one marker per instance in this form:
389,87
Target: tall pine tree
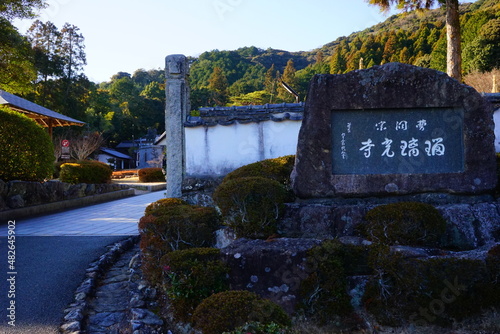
218,85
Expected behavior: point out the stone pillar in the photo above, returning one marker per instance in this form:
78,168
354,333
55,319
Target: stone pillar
176,109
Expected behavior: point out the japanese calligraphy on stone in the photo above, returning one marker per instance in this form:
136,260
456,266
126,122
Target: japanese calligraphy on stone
398,141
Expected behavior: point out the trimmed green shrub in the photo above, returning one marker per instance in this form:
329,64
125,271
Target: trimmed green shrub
435,291
225,311
57,167
405,223
258,328
27,151
171,228
251,206
92,172
192,275
151,175
155,208
323,293
278,169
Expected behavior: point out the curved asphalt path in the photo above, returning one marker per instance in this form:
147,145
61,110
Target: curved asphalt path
52,254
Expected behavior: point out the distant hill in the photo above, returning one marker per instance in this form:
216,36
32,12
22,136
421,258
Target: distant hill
417,38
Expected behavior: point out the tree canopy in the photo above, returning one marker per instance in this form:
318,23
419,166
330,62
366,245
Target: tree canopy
454,49
21,9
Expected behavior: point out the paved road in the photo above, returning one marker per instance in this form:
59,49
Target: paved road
49,269
52,253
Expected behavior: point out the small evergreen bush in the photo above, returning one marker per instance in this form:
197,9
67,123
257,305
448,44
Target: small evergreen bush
226,311
27,151
192,275
278,169
57,167
92,172
405,223
171,228
156,208
151,175
251,206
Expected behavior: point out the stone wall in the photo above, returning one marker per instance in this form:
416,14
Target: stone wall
473,221
20,194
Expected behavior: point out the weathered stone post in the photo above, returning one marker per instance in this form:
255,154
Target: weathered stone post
176,109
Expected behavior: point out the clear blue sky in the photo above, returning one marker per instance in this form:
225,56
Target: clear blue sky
125,35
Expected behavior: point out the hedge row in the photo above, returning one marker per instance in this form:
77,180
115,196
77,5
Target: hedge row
151,175
85,172
27,151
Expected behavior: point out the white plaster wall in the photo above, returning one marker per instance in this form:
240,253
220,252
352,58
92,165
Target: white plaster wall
496,118
218,150
104,158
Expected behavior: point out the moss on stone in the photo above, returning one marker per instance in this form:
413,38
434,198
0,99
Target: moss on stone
405,223
324,292
225,311
430,291
192,275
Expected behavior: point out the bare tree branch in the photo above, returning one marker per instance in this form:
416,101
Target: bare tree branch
83,146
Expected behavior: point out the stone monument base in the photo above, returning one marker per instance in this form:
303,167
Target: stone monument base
473,221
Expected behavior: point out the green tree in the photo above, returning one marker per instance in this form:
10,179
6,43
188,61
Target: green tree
99,113
72,50
45,39
154,91
255,98
17,70
22,9
289,78
422,42
338,64
200,97
370,50
438,55
270,81
483,54
391,46
218,84
404,56
453,54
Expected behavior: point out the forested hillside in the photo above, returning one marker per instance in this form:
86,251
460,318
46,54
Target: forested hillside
417,38
47,67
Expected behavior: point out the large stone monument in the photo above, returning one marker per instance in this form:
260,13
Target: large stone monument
176,109
394,130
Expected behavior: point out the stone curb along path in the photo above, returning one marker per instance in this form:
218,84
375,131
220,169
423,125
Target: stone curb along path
113,298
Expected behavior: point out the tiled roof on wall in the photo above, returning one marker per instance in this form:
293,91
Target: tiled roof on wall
246,114
494,99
